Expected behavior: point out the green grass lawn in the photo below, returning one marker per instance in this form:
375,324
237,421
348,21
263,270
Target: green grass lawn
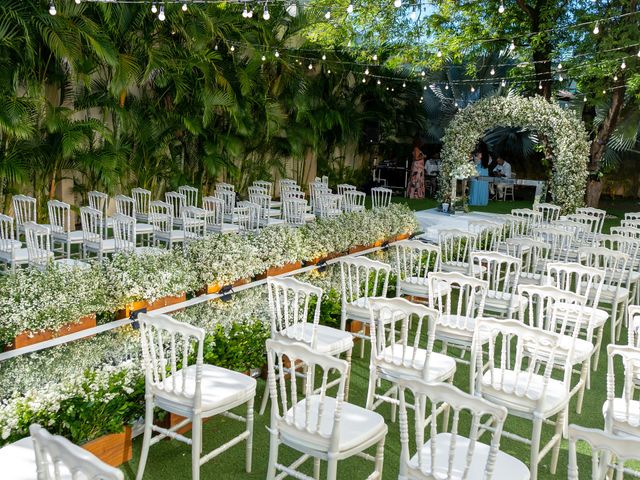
172,460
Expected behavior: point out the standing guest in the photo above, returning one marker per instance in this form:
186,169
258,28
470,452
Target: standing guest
416,180
502,170
479,189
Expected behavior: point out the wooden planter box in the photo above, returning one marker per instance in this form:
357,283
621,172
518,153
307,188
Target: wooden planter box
360,248
27,338
160,303
274,271
354,326
317,260
216,287
402,236
113,449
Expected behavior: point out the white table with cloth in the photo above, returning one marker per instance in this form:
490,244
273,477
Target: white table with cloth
432,221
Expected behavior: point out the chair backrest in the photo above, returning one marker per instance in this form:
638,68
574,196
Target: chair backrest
38,239
301,411
126,205
59,216
537,303
515,226
353,200
268,186
468,416
214,207
190,193
363,278
92,223
142,199
161,216
596,213
58,458
222,186
622,412
626,231
229,199
579,230
165,344
634,325
247,216
456,246
294,211
577,278
515,359
500,271
256,190
99,201
293,304
560,242
488,234
533,255
7,236
616,264
531,217
265,204
632,216
194,223
288,184
177,201
124,232
329,204
380,197
635,223
550,212
627,245
315,190
457,297
402,335
291,193
24,209
593,223
415,259
345,187
607,451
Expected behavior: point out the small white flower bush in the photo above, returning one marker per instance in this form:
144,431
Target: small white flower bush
566,133
278,245
148,276
34,300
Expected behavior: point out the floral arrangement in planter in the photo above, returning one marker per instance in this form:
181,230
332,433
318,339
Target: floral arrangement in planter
82,408
148,276
278,246
34,301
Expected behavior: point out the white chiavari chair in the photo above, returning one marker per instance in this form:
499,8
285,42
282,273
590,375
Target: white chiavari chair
456,247
93,233
190,194
309,420
488,234
24,209
533,254
100,202
502,274
294,212
380,197
194,223
127,206
267,213
161,216
142,199
177,201
38,239
353,201
550,212
60,222
177,384
247,216
414,261
601,215
621,410
560,241
532,219
214,207
626,232
222,186
11,251
329,205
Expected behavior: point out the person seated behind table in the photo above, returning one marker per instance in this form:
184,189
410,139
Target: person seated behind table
503,170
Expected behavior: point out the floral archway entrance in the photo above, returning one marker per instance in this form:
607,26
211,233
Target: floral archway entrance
568,142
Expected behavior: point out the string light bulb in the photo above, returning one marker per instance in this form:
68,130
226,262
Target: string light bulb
324,57
473,89
596,29
329,72
501,7
623,65
493,71
512,47
265,14
560,78
378,82
310,67
52,8
615,78
78,2
375,57
560,66
404,85
539,85
245,12
584,99
413,15
364,80
276,54
184,7
503,83
439,54
161,15
232,49
154,9
423,73
350,8
264,58
327,15
446,87
397,3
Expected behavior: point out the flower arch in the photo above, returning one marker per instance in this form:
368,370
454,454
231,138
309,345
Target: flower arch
569,144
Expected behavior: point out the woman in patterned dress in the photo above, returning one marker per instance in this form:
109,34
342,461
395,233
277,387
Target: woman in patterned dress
416,180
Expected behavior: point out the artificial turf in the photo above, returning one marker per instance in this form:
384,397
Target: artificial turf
172,459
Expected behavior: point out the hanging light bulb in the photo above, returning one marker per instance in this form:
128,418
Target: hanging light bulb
387,89
501,7
473,89
375,57
512,47
446,87
245,12
604,92
423,73
184,7
596,29
503,83
216,47
404,85
232,49
539,85
393,89
154,9
78,2
161,15
560,66
277,54
250,13
623,65
364,80
439,54
493,71
52,8
615,78
424,88
329,72
264,58
366,72
560,78
324,57
413,15
265,13
327,15
378,82
310,67
455,104
350,8
397,3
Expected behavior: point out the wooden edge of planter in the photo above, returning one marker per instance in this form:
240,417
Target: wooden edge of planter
113,449
275,271
27,338
155,305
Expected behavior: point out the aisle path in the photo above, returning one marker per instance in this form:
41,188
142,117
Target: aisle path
431,221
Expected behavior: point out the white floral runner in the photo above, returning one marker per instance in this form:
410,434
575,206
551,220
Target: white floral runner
431,221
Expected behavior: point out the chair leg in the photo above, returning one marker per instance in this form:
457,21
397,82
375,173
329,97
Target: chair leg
347,376
535,447
146,439
196,446
332,468
265,399
274,443
250,437
371,391
584,372
555,452
596,355
379,462
316,468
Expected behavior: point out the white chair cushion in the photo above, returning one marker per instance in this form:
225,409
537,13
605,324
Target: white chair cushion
357,426
399,363
505,394
143,228
221,389
358,310
18,461
624,422
329,340
76,236
505,467
418,287
20,255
